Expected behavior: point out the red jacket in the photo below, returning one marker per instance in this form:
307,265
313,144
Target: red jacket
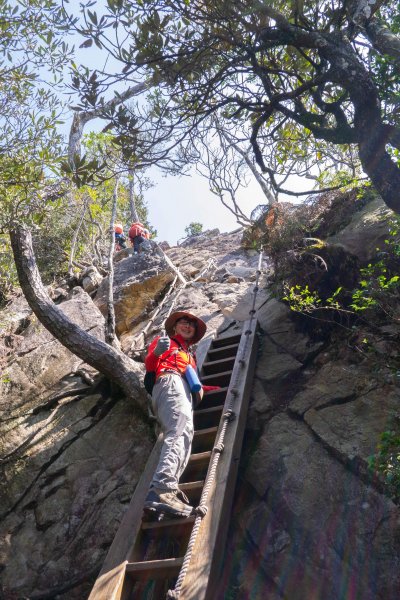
175,359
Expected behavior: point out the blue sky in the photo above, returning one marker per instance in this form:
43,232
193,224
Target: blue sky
174,202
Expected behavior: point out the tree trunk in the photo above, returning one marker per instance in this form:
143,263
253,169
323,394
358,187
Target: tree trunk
75,237
373,136
111,338
132,203
115,365
96,239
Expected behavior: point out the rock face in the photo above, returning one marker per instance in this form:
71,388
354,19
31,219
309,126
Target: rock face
366,231
138,282
308,522
40,362
70,459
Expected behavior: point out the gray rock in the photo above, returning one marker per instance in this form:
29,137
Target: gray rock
319,518
353,429
366,232
42,362
91,279
334,383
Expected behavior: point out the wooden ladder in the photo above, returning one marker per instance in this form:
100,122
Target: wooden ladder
145,557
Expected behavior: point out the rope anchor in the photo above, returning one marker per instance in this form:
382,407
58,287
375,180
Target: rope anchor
229,415
201,511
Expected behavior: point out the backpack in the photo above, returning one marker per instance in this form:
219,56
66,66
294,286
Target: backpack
135,230
149,381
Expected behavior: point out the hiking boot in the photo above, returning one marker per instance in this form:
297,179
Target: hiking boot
166,501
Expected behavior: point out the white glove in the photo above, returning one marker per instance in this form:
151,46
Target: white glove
162,346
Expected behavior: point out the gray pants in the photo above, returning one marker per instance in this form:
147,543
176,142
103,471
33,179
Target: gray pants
172,405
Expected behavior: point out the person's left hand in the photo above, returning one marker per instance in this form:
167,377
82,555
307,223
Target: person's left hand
162,346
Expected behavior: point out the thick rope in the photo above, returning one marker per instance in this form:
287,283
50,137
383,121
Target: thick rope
228,416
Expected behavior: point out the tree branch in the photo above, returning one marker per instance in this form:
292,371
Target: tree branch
82,117
115,365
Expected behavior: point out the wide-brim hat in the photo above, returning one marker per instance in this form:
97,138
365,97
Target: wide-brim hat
201,327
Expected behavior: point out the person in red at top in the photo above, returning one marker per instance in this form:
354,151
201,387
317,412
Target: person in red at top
137,235
169,357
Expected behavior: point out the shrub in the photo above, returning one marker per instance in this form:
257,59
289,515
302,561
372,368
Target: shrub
386,462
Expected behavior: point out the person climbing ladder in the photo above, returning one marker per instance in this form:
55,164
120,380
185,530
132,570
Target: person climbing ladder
169,356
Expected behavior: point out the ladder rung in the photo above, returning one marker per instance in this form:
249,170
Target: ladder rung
217,378
212,399
219,361
216,366
200,457
212,393
208,411
205,432
175,523
217,374
197,466
193,489
191,485
208,417
204,439
154,569
226,341
224,352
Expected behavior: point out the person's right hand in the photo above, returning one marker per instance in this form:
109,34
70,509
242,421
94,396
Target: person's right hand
162,346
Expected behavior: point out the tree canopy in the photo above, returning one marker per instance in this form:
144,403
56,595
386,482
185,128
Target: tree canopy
311,82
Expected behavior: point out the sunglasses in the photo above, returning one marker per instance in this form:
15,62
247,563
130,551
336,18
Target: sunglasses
187,322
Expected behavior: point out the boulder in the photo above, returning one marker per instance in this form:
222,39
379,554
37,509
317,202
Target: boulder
366,231
138,281
42,362
91,279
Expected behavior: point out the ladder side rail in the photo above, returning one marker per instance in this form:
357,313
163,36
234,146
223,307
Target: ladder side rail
202,574
230,480
108,585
